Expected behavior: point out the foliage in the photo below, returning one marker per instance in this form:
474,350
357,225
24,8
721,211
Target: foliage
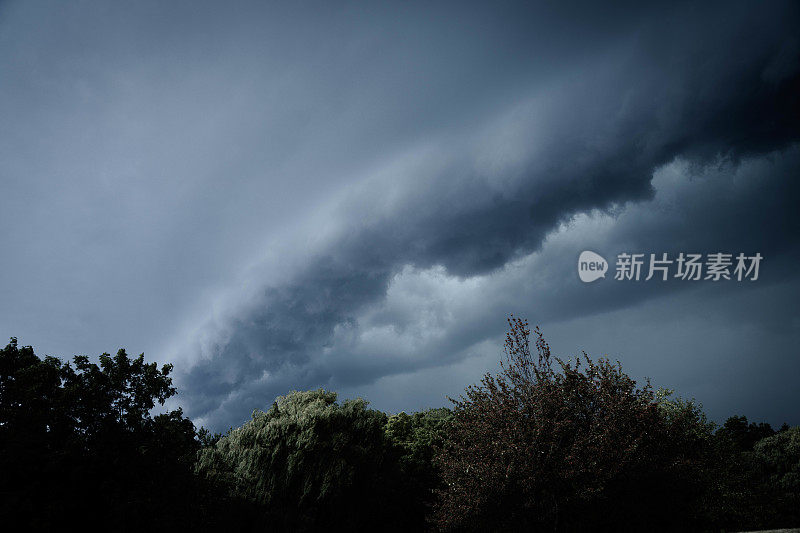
311,462
779,455
778,461
82,439
417,437
543,445
538,449
744,436
756,470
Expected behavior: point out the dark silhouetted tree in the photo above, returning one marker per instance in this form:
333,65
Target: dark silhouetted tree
744,435
78,444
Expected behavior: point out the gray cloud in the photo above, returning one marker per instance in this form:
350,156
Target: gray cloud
596,136
281,197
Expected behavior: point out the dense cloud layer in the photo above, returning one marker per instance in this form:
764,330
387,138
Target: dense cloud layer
590,140
397,179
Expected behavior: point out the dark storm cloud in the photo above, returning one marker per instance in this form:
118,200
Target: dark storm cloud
730,344
408,171
744,208
705,85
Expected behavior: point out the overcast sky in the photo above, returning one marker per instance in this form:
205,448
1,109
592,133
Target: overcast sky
279,196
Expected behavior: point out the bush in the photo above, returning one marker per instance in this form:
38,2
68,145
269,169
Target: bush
582,447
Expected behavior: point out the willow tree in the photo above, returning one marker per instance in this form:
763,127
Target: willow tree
310,462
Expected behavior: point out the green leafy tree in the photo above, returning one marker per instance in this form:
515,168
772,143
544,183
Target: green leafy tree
777,459
310,462
757,484
417,437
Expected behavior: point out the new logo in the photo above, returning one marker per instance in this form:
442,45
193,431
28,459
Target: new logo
591,266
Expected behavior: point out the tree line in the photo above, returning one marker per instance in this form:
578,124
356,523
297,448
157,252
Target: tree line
544,444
